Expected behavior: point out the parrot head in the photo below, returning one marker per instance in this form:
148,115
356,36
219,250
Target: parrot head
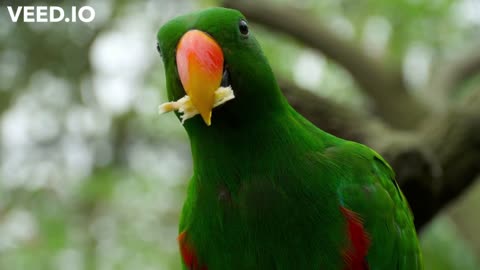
211,57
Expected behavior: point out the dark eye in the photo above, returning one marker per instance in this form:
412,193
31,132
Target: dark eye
243,27
158,49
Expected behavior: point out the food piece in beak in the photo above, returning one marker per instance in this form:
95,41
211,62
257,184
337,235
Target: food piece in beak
188,110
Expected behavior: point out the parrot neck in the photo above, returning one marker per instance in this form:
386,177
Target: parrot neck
231,148
258,126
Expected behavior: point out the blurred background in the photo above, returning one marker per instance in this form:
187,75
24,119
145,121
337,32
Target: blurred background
91,177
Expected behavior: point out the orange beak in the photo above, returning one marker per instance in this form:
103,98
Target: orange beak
200,67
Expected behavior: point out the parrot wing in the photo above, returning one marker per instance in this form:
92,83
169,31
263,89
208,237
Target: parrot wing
379,221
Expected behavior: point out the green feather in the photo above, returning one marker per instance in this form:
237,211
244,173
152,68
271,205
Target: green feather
268,185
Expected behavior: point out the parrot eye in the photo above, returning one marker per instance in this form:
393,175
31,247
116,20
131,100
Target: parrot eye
158,49
243,27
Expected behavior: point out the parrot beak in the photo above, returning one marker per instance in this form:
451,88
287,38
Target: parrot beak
200,67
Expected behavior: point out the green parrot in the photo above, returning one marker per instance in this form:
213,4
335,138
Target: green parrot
269,189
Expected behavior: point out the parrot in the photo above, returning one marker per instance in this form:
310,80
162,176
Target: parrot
270,190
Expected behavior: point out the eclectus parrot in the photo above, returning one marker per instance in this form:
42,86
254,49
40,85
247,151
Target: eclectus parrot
269,189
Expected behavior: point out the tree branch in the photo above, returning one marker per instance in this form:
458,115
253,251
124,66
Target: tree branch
384,86
449,76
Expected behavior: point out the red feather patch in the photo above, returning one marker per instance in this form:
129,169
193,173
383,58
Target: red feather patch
356,252
188,254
